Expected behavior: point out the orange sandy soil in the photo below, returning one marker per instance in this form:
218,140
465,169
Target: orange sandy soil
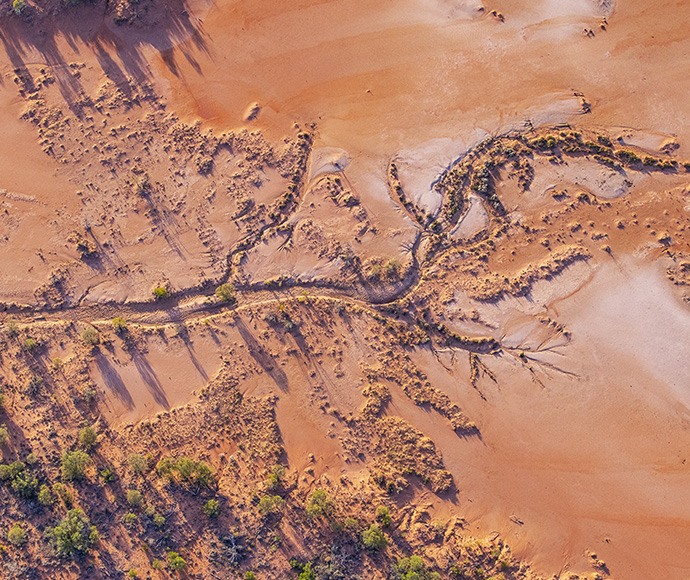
511,361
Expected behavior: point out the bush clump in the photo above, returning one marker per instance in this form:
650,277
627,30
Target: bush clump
74,465
119,325
269,504
87,438
176,561
17,535
320,504
413,568
373,538
134,498
73,534
226,292
90,336
161,293
185,471
19,479
212,508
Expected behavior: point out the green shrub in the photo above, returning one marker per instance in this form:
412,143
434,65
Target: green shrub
87,438
74,465
119,325
30,344
269,504
90,336
20,480
73,534
45,496
108,475
4,435
320,504
413,568
158,520
137,463
25,484
130,519
134,498
176,561
18,6
274,479
132,573
249,575
57,363
185,470
226,292
161,293
157,565
12,328
382,516
212,508
64,494
307,572
351,523
16,535
373,538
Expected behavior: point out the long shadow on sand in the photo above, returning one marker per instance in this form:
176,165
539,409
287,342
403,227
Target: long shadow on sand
120,50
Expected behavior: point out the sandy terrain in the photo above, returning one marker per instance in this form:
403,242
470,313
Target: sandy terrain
455,240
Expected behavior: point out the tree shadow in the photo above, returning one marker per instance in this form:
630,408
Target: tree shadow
262,357
114,382
150,378
122,51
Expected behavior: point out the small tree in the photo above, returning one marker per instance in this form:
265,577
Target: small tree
87,438
226,292
176,561
74,465
373,538
73,534
212,508
16,535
